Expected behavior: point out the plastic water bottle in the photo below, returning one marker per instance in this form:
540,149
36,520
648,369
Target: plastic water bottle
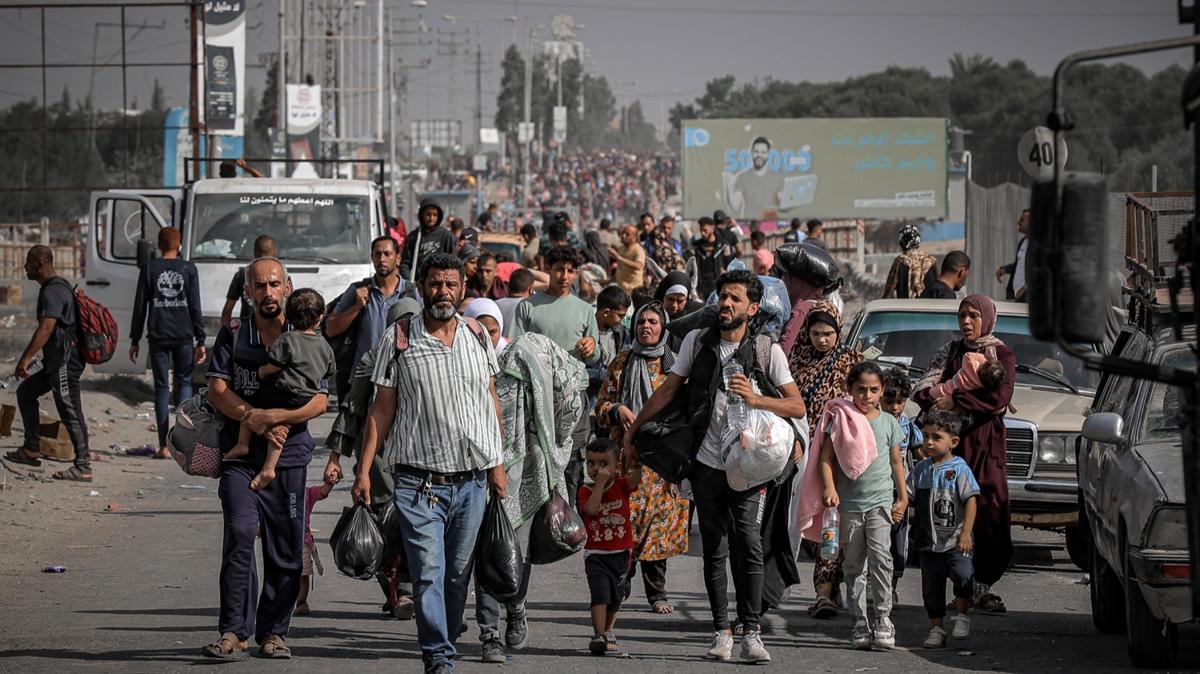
35,366
830,534
735,406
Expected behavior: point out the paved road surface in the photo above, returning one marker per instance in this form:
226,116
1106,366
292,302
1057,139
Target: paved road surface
140,596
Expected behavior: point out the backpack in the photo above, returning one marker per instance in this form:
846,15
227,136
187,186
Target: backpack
96,329
403,325
344,344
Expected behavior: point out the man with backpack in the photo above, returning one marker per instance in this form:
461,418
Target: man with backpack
360,315
168,296
730,521
61,366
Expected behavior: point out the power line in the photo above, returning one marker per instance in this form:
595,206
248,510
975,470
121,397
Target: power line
750,11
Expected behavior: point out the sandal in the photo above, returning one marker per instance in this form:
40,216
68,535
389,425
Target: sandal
23,457
228,647
662,607
611,647
991,604
823,609
274,649
72,474
302,609
598,645
162,453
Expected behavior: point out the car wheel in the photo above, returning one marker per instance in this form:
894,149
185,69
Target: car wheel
1078,545
1108,598
1152,642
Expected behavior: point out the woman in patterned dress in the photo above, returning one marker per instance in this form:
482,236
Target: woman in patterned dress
659,513
820,362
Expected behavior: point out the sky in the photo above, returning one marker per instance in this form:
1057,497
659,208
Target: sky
658,51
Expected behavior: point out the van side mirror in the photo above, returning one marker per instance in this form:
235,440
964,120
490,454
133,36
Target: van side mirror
145,252
1106,428
1067,270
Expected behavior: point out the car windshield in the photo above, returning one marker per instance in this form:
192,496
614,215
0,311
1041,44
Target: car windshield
1163,422
307,228
911,339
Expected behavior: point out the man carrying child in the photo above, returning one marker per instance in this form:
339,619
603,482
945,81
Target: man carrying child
235,390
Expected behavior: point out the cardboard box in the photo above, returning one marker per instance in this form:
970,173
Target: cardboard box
53,440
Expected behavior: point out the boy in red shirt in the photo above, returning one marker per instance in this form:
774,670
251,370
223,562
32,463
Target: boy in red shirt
606,558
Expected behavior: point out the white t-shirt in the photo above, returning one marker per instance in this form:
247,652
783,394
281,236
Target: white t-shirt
778,372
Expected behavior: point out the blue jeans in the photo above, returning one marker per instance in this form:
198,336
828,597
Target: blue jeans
439,539
161,357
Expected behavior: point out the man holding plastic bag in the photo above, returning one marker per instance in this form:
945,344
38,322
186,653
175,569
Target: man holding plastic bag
437,419
725,375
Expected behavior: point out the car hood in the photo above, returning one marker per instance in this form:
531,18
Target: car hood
1163,461
1049,410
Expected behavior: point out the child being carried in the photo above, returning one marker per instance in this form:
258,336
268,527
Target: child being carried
977,372
297,364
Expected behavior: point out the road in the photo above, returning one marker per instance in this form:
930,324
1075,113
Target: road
140,595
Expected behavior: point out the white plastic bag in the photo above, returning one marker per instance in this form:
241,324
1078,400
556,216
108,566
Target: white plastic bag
763,450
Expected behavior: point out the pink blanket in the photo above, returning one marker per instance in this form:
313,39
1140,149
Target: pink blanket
966,379
855,448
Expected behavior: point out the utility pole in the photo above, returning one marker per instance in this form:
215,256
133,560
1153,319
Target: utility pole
193,107
393,170
478,87
528,87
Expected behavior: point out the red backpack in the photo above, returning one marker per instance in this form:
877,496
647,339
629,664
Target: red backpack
96,328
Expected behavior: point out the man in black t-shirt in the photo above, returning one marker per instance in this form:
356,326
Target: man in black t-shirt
956,268
62,365
728,232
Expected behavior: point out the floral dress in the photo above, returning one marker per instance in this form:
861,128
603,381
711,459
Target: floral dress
659,513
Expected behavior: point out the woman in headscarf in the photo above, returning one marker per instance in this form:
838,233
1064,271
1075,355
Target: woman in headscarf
983,440
594,250
820,364
658,513
488,313
911,267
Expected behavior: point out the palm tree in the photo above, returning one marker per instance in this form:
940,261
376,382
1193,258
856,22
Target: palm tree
969,66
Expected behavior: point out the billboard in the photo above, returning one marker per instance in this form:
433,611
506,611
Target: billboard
303,128
778,169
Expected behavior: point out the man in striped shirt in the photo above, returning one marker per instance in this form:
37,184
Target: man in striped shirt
435,401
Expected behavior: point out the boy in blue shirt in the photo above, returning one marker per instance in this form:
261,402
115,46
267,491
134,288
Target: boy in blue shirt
897,388
945,491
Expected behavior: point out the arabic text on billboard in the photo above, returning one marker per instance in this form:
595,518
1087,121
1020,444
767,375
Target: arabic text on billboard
778,169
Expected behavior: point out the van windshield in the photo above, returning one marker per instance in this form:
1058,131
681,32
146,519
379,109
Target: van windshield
306,227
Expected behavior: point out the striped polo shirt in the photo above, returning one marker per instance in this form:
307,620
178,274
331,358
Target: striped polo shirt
445,415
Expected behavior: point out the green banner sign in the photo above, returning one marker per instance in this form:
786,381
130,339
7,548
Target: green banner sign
778,169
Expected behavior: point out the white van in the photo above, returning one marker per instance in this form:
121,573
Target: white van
323,229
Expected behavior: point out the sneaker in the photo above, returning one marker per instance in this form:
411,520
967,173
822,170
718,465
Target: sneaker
936,638
438,668
753,649
962,626
885,632
860,637
737,631
493,651
516,631
722,646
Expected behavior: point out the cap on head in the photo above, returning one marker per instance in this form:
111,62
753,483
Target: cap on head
720,217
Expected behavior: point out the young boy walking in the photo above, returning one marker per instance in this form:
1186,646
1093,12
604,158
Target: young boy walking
897,388
606,556
866,505
945,491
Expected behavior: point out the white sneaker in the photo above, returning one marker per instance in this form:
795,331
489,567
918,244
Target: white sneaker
885,632
936,638
860,637
722,646
753,649
962,626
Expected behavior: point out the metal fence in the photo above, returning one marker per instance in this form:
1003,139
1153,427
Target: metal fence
64,239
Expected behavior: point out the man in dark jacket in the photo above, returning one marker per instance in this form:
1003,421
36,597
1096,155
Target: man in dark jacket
431,237
711,255
168,295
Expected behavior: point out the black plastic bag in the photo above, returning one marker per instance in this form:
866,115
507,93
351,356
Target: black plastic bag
498,560
556,532
357,543
389,526
811,263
